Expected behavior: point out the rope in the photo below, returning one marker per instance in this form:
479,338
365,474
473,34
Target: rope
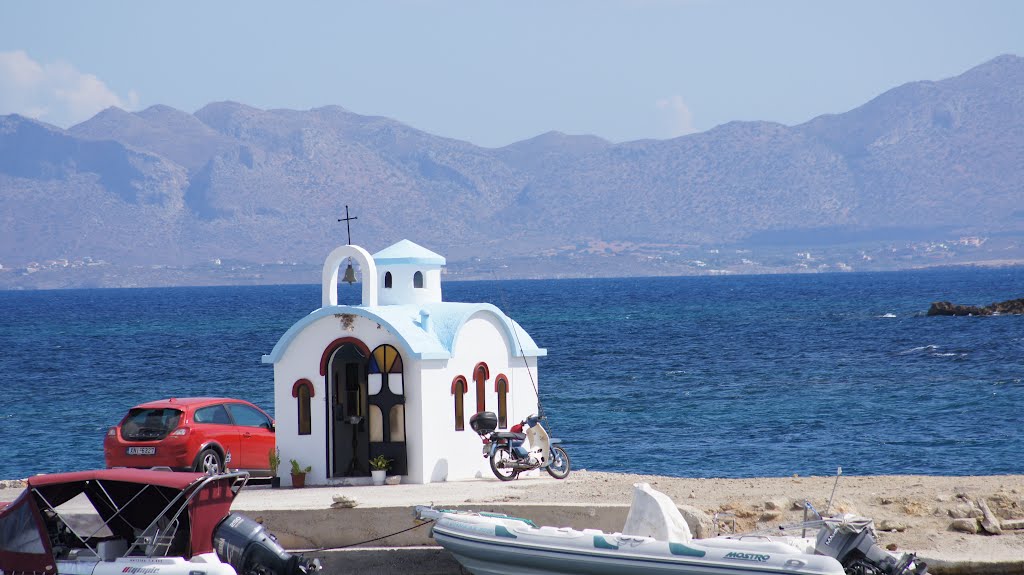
322,549
519,344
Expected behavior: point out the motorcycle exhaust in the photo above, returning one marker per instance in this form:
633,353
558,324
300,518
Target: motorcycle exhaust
523,466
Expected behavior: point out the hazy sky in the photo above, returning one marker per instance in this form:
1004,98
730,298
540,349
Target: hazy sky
493,72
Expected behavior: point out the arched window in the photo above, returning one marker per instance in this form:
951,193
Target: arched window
480,376
459,387
417,280
387,280
302,391
386,391
501,387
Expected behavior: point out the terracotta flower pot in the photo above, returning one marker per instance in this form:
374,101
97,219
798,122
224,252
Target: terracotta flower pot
298,480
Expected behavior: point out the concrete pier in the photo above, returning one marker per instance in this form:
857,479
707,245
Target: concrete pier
359,539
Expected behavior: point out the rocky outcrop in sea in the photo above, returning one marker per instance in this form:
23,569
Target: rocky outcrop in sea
1013,306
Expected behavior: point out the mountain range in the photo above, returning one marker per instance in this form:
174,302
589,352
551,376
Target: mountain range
235,194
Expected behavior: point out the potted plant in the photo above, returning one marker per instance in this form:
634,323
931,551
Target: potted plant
379,469
274,458
299,474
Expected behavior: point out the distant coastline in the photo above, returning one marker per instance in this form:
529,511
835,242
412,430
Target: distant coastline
61,275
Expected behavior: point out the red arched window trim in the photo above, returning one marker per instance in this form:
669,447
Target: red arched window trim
502,382
305,414
459,379
480,375
459,386
487,370
301,382
333,347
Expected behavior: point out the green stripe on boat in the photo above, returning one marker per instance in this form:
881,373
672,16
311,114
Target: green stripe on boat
502,531
502,516
680,549
601,543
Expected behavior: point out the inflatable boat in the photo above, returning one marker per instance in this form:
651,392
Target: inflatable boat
136,521
656,539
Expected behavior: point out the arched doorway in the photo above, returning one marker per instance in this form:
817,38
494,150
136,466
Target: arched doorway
349,430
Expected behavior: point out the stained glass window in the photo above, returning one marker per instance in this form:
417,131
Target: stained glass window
397,422
387,391
376,424
385,359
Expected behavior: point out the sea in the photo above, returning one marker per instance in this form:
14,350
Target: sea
724,376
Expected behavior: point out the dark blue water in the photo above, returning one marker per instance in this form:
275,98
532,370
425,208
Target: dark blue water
696,377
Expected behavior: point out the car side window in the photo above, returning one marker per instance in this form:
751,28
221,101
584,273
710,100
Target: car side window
249,417
212,414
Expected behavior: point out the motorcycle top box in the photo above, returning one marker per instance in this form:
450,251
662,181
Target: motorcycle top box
484,422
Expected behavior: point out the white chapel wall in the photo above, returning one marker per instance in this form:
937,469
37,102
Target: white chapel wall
302,361
402,290
481,339
414,416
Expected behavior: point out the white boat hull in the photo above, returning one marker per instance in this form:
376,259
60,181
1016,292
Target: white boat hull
495,546
207,563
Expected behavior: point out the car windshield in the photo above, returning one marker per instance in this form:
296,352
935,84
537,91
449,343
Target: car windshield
147,424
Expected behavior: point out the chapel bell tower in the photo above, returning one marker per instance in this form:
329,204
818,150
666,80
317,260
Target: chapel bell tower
408,274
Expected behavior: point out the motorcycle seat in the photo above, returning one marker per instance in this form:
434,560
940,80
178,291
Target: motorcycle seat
507,435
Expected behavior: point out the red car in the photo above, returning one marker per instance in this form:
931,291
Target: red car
202,434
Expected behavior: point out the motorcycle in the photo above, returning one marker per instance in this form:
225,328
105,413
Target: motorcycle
507,451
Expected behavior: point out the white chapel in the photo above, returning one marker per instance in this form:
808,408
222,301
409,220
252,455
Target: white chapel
398,375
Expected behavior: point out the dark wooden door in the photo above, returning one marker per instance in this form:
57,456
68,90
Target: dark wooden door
350,433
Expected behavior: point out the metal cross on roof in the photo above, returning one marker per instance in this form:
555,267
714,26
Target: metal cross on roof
348,226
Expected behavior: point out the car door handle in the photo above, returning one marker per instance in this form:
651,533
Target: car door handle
246,435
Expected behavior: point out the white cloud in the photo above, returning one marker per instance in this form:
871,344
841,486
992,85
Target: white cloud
55,93
677,115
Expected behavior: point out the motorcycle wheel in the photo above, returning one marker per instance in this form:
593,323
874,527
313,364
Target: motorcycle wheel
560,464
503,455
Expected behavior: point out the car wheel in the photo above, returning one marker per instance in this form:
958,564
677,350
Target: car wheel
209,462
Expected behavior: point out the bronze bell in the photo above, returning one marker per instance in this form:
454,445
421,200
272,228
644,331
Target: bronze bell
350,274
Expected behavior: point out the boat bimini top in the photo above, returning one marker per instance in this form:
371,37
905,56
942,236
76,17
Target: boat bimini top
145,513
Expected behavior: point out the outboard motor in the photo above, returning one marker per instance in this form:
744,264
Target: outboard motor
252,550
851,540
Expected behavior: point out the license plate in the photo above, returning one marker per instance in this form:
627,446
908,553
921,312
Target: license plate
141,451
